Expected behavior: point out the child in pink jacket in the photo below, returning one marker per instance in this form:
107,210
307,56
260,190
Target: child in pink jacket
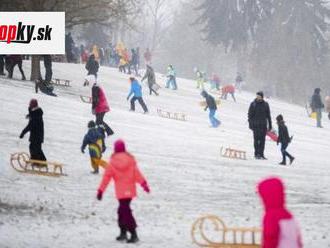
123,170
280,229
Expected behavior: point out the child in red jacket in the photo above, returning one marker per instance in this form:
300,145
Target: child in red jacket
123,170
280,229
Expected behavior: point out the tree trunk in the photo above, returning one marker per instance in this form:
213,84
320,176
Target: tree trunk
35,68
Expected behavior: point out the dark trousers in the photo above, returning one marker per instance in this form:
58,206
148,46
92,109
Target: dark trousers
99,121
48,74
11,69
2,64
152,90
36,151
259,136
125,216
135,69
285,153
140,99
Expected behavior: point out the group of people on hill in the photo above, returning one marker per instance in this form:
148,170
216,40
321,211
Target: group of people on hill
114,55
9,62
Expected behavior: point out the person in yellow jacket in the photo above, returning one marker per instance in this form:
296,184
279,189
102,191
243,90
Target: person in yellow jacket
95,51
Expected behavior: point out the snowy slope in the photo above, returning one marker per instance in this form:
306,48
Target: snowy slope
181,160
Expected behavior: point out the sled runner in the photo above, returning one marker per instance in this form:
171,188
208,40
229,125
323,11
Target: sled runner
203,103
221,236
61,82
272,135
233,153
169,115
86,99
21,162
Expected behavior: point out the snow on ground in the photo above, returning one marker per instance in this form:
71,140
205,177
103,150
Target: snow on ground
181,160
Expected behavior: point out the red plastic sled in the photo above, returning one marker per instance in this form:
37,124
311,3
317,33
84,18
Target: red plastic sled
272,135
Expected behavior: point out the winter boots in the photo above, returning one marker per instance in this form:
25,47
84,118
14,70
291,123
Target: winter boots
123,236
134,238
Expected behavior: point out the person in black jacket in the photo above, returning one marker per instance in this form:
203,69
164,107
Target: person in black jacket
36,129
212,106
258,117
150,76
317,106
92,66
11,62
284,139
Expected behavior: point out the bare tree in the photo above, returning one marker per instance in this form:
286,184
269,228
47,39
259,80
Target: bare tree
77,12
159,17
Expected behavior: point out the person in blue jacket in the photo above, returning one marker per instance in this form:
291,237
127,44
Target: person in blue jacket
136,91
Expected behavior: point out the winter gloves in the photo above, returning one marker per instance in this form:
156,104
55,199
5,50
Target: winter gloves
145,187
99,195
21,136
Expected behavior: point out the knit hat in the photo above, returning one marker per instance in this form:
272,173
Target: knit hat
204,93
33,103
91,124
279,118
119,146
260,93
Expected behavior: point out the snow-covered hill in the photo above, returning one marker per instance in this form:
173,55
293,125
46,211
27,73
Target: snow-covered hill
181,160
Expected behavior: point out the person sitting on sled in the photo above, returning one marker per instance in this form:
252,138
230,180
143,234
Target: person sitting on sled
95,141
124,171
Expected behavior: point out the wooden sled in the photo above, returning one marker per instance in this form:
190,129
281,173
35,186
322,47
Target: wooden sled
169,115
203,103
61,82
22,163
86,99
221,236
233,153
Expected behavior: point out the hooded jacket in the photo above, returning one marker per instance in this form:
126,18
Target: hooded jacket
136,89
210,101
283,133
259,115
123,170
150,76
95,140
316,100
35,126
99,100
279,227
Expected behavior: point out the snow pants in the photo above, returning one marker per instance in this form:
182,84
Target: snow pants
99,121
140,100
171,81
125,216
259,136
11,67
318,117
285,153
214,121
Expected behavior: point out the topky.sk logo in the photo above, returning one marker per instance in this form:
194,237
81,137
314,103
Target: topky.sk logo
32,33
21,33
